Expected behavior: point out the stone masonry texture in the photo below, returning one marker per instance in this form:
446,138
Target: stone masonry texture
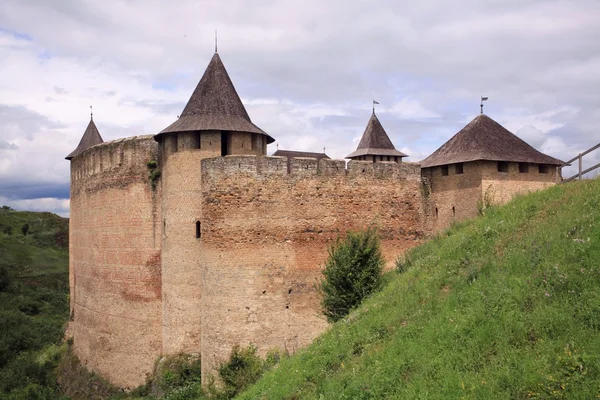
144,285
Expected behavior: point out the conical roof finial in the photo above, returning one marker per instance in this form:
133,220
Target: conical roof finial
374,102
91,137
216,41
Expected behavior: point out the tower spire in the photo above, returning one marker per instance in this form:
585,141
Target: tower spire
216,41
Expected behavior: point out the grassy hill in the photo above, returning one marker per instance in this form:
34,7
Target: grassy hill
34,287
505,306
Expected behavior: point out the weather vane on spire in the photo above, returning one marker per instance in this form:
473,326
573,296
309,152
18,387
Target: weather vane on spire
483,98
91,113
374,102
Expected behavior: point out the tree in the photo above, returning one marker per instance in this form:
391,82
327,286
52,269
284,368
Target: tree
353,271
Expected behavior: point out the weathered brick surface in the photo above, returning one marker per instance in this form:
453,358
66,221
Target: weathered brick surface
502,186
143,285
458,196
265,235
115,260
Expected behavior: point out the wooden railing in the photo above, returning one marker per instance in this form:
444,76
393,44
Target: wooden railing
582,172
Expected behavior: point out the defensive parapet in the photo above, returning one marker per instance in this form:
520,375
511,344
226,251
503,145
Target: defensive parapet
304,167
264,239
115,259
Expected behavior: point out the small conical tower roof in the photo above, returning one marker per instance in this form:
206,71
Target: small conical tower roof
91,137
485,139
375,141
215,105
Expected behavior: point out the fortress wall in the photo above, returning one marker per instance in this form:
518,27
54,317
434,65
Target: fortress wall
458,191
265,235
503,186
181,208
480,182
115,260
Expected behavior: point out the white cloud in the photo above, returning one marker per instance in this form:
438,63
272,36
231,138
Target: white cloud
57,206
306,71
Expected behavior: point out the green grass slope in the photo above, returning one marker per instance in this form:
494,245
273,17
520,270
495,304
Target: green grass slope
504,306
34,287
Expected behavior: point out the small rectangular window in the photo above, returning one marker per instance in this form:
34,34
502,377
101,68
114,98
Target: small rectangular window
502,166
543,169
458,168
198,232
523,168
444,170
195,140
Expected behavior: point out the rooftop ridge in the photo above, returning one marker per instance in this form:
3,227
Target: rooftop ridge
485,139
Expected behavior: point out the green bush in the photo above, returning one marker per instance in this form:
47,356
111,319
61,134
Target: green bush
176,372
243,368
353,271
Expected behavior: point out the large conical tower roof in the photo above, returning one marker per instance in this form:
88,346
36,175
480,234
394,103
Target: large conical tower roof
90,137
485,139
375,141
215,105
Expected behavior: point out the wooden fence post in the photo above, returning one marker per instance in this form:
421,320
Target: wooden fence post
580,166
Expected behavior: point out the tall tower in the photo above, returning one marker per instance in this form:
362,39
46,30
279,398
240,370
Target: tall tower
91,136
213,123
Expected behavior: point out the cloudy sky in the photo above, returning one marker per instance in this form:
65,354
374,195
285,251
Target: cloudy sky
307,72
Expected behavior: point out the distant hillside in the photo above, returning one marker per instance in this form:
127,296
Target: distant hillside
34,307
504,306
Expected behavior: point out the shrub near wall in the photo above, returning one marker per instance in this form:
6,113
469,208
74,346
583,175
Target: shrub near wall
353,271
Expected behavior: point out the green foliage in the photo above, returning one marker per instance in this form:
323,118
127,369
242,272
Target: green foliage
403,263
175,372
5,279
33,302
353,271
243,368
77,382
501,307
153,173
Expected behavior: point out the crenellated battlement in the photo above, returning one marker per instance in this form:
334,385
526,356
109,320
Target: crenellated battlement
253,166
114,163
120,154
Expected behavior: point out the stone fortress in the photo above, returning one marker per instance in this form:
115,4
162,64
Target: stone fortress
194,240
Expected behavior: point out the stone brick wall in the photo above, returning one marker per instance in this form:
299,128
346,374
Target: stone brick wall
453,197
181,209
143,284
503,186
456,197
115,260
265,235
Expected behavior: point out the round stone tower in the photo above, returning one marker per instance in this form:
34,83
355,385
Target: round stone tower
214,123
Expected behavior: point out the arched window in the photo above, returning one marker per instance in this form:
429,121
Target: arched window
198,232
453,211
